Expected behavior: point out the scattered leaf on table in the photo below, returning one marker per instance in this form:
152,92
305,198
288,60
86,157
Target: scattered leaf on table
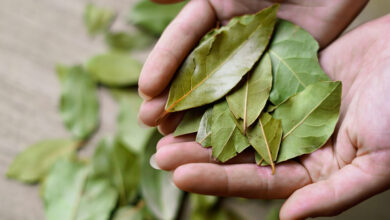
132,213
33,164
247,101
79,106
295,64
190,122
125,41
202,206
129,132
97,19
265,137
203,136
226,138
219,63
116,163
73,193
114,69
154,17
308,119
162,197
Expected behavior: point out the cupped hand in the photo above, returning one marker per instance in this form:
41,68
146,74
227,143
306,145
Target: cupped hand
325,20
352,166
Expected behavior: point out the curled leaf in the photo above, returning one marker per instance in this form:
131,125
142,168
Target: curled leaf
203,136
190,122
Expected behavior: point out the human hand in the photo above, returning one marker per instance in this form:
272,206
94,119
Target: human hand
323,19
352,166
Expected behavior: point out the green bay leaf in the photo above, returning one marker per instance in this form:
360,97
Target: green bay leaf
72,192
130,133
33,164
154,17
221,60
226,138
295,64
120,166
248,100
114,69
190,122
161,196
203,137
265,137
308,119
79,106
97,19
126,41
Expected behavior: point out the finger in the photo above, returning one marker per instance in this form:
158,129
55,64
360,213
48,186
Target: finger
170,123
151,109
170,139
196,18
344,189
171,156
243,180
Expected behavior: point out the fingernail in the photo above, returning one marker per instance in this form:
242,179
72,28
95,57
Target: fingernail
143,96
141,124
153,163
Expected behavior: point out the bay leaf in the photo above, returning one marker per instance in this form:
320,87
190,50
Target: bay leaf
79,106
138,212
126,41
265,137
190,122
220,61
295,64
72,193
32,165
114,69
130,133
161,196
203,136
115,162
247,101
308,119
259,160
226,138
97,19
154,17
202,206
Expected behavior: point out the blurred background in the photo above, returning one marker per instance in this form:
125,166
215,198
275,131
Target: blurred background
34,37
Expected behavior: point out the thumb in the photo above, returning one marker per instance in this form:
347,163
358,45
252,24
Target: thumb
344,189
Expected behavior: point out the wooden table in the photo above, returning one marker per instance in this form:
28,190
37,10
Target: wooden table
34,36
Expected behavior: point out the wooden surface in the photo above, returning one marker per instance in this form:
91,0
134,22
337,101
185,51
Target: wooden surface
34,36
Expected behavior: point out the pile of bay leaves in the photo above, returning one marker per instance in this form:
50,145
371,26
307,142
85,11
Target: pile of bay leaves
117,182
256,82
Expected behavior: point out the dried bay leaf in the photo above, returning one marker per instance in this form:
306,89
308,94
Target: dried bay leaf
161,196
97,19
79,106
247,102
120,166
226,138
295,64
129,131
114,69
72,192
220,61
265,137
190,122
308,119
33,164
203,136
154,17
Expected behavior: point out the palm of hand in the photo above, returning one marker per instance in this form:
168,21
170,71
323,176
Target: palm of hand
353,165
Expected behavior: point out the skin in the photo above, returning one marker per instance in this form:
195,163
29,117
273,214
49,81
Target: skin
353,166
